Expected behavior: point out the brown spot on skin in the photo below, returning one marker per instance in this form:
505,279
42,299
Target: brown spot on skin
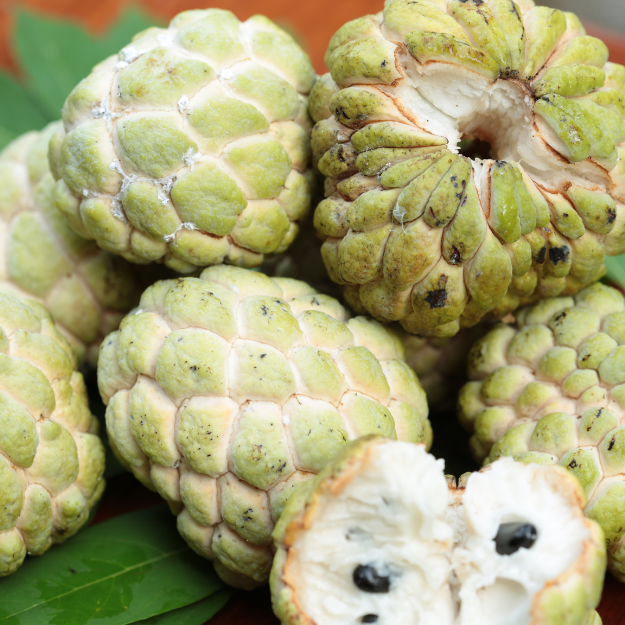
540,257
559,254
573,464
611,215
456,257
612,443
561,316
437,298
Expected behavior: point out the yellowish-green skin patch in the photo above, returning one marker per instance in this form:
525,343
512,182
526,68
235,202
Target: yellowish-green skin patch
260,454
161,77
209,199
215,36
318,434
273,95
222,119
192,362
203,430
152,145
263,166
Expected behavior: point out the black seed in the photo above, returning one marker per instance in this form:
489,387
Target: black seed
559,254
512,536
369,618
436,299
368,579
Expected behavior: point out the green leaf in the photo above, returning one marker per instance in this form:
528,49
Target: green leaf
18,113
616,269
56,55
127,569
195,614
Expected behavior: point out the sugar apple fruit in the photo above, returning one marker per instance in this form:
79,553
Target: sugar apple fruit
86,290
51,459
191,146
552,389
380,537
225,391
421,234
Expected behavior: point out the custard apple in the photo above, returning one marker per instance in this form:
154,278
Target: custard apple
191,147
86,290
225,391
380,537
419,233
51,459
552,389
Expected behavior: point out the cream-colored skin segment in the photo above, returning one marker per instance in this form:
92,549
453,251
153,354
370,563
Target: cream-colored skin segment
191,146
242,386
51,458
385,506
526,80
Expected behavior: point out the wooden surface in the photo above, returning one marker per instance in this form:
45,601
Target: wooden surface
315,21
125,494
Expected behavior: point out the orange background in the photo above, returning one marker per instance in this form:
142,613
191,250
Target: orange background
315,20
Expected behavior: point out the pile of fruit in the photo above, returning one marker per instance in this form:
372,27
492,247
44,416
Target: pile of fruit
169,232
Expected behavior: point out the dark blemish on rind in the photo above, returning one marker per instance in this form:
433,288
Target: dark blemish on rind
611,215
455,257
437,298
612,443
540,257
559,254
369,618
573,464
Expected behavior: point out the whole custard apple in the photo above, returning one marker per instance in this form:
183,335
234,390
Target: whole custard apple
419,233
51,459
551,389
86,290
379,536
191,147
224,392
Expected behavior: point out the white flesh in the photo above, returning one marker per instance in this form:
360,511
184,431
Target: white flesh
498,589
391,514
